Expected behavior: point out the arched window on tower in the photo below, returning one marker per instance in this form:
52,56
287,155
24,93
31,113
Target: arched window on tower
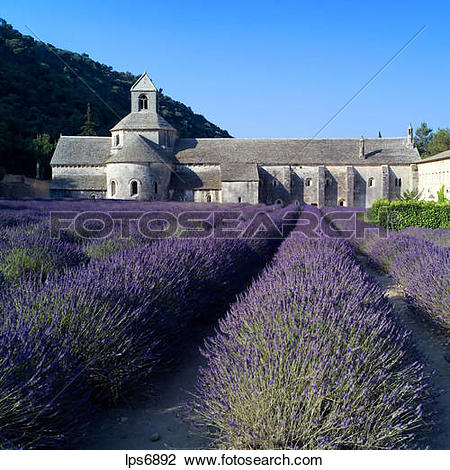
371,182
134,188
308,182
113,188
208,198
143,102
155,187
116,140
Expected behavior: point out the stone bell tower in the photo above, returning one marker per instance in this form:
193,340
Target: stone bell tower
144,96
410,138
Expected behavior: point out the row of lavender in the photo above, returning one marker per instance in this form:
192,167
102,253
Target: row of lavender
417,258
75,330
310,357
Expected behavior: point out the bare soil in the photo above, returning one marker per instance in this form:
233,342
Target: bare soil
134,425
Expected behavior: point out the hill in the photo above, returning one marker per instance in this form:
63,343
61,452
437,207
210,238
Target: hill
41,92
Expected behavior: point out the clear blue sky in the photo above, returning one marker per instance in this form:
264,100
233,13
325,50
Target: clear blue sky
268,68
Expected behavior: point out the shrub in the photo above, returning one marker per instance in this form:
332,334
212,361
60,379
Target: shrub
43,395
441,195
116,318
410,195
23,254
439,237
310,357
380,205
400,214
422,268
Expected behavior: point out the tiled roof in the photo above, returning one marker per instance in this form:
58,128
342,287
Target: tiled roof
139,149
434,158
295,151
202,178
142,120
79,150
238,172
80,182
143,83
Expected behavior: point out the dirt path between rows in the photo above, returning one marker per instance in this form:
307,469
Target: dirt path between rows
431,344
133,426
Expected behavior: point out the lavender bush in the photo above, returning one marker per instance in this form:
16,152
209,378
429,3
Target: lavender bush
28,250
422,268
417,258
110,320
36,408
310,357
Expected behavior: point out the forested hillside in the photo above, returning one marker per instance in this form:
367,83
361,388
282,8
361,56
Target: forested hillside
41,93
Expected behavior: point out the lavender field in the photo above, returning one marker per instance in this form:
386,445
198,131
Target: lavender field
307,354
417,258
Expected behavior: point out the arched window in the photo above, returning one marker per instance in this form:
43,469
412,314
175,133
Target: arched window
93,196
279,202
308,182
113,188
155,187
297,202
371,182
328,182
208,198
341,202
116,140
274,183
134,188
399,182
143,102
239,199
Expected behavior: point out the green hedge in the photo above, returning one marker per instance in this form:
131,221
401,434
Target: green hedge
400,214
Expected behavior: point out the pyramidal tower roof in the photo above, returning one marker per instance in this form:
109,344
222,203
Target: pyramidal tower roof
143,83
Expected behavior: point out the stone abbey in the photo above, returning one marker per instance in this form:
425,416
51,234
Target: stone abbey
144,159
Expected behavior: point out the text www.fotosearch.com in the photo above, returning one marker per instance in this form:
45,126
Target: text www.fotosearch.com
222,460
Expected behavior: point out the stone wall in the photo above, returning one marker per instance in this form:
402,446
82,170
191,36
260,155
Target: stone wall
78,194
304,181
240,191
18,186
145,175
77,171
207,195
431,176
275,184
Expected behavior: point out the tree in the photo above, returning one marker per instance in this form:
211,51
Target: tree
43,150
88,127
424,135
439,143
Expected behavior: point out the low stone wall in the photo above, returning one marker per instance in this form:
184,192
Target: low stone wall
18,186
